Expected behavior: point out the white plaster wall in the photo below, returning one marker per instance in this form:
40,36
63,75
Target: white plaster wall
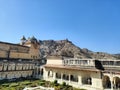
54,61
96,78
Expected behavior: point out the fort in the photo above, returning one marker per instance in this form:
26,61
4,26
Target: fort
19,60
24,60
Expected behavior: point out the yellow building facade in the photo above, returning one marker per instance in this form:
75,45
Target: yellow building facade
19,60
28,50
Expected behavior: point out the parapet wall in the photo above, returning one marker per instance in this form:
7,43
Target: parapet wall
9,50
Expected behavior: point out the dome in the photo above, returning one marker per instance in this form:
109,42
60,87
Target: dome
23,38
33,40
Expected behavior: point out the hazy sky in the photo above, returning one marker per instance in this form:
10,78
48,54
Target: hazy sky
92,24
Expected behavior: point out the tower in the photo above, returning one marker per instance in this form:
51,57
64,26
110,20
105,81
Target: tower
34,46
23,40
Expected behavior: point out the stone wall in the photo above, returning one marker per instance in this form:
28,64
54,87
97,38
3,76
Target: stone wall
8,50
11,66
16,69
15,74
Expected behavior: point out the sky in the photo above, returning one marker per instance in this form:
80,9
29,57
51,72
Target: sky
92,24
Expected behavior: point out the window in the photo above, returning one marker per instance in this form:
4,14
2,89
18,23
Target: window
50,73
74,78
42,71
65,77
58,75
87,80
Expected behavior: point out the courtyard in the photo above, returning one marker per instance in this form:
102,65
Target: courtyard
20,84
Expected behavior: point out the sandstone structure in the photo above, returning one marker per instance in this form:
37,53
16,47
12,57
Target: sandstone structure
19,60
66,62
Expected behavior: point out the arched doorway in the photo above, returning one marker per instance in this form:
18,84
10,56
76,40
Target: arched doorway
6,76
39,72
50,73
87,80
42,72
58,75
106,82
65,77
116,82
74,78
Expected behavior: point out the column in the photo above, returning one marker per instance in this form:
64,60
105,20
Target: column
45,76
97,82
80,80
0,76
54,75
37,71
61,77
111,81
69,78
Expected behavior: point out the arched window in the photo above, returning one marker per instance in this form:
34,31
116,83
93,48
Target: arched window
6,76
65,77
71,77
106,82
116,82
7,68
50,73
42,71
58,75
74,78
39,72
87,80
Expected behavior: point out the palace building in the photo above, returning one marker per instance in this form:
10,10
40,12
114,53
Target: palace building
89,74
19,60
24,60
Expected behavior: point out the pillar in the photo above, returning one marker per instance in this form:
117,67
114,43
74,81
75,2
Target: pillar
0,76
45,74
37,71
97,80
54,75
111,81
80,80
69,78
61,77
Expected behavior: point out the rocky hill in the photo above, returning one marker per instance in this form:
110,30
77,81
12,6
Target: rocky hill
117,56
67,49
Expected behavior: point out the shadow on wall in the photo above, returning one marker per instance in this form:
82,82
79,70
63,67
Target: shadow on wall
98,65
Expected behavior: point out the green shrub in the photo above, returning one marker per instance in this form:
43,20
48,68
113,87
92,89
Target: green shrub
5,85
26,83
69,87
63,83
57,88
55,82
33,85
42,80
41,83
13,84
78,89
20,87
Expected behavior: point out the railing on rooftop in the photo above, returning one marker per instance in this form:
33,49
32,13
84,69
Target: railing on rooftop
108,63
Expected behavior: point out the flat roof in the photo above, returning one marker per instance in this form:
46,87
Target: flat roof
54,57
72,68
13,44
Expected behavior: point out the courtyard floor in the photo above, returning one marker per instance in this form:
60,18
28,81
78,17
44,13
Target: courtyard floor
21,84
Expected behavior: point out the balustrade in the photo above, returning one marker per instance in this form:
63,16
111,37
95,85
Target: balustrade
90,62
